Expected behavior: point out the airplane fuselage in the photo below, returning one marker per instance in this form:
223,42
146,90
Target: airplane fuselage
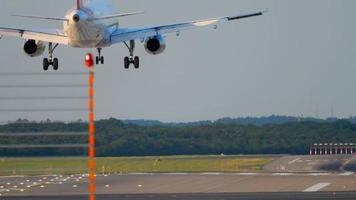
83,32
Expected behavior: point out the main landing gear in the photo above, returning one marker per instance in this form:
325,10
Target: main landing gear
135,60
50,60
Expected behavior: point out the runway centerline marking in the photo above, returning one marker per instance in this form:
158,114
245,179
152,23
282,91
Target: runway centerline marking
316,187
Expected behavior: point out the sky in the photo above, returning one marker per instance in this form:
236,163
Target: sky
298,60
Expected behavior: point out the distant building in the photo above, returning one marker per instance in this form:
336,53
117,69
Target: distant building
332,148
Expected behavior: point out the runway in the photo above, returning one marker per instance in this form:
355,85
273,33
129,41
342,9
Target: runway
203,183
221,196
292,177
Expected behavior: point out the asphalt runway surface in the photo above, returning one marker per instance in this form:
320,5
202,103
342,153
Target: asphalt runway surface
215,196
310,164
291,177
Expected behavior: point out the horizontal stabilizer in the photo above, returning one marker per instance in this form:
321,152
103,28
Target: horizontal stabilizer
40,17
116,16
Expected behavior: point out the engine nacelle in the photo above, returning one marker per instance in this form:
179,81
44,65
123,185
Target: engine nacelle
34,48
155,45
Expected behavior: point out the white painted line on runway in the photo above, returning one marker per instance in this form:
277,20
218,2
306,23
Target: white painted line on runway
282,174
293,161
140,173
246,174
347,173
319,174
211,173
316,187
178,174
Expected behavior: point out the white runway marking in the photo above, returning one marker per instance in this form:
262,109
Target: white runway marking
178,174
140,173
282,174
293,161
211,173
319,174
246,174
316,187
347,173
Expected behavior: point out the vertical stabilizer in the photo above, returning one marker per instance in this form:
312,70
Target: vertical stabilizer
79,4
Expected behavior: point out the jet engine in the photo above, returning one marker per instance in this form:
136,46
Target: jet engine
155,45
34,48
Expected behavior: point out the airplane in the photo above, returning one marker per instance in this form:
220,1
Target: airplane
89,24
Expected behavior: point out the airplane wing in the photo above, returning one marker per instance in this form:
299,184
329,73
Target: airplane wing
122,35
54,36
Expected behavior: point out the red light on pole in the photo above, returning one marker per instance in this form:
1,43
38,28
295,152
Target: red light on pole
89,61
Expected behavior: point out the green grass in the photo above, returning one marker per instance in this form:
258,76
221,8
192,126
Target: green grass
77,165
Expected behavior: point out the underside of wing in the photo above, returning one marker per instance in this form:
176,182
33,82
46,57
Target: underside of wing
53,36
122,35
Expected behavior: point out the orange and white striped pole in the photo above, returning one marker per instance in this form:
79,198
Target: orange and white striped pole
89,62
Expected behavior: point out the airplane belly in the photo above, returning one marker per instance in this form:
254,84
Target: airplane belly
84,36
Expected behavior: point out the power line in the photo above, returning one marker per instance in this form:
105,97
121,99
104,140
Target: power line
45,86
42,146
44,134
44,74
45,98
44,110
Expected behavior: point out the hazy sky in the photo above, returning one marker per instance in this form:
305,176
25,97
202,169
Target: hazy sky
298,59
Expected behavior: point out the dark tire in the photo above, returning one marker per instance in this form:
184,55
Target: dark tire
102,60
127,62
45,64
55,64
97,60
137,62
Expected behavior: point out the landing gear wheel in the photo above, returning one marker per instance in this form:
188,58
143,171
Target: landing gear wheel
50,60
131,60
102,60
99,60
127,62
136,62
55,64
45,64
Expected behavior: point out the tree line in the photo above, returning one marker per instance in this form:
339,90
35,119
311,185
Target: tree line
115,138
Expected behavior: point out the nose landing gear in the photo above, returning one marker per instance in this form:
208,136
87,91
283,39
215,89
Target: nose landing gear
99,59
